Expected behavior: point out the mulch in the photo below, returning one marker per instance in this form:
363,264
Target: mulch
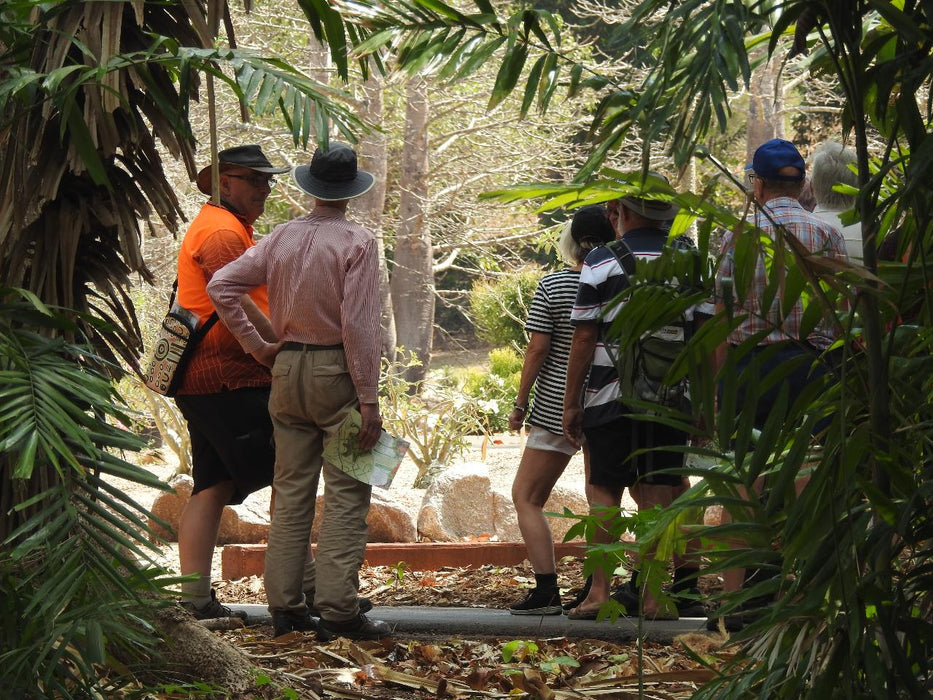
404,669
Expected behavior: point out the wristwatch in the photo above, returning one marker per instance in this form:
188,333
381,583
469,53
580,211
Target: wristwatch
518,407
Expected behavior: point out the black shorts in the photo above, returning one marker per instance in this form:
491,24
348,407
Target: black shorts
612,444
231,439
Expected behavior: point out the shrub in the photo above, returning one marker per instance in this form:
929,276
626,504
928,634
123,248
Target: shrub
500,307
493,391
434,415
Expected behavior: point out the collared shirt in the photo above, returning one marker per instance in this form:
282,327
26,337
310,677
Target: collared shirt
216,236
322,272
817,236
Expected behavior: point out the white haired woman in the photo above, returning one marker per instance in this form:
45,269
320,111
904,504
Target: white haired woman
832,166
547,452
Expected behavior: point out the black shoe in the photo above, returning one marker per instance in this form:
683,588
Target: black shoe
213,609
741,616
359,627
626,595
732,623
365,605
688,603
580,596
539,601
285,621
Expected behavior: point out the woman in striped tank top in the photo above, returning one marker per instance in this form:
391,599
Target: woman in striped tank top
547,452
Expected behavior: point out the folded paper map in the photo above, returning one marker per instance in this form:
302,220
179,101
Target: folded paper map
377,466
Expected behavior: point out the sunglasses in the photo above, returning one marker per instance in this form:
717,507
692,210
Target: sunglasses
257,181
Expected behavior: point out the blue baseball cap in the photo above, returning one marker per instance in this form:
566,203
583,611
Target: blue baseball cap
776,154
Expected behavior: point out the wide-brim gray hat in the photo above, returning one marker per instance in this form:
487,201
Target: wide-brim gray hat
650,208
333,174
249,156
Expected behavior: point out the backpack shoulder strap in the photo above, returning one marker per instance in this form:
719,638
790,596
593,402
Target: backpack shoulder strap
624,255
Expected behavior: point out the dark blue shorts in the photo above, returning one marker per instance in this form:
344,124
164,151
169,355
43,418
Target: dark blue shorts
808,370
231,439
611,446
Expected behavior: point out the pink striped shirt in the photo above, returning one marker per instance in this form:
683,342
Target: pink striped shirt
322,272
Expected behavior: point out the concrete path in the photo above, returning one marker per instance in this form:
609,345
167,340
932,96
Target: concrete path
484,622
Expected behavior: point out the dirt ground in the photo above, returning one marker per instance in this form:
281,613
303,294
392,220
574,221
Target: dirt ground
403,669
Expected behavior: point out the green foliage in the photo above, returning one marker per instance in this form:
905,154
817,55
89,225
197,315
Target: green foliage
493,390
94,93
500,307
527,651
77,576
433,415
852,550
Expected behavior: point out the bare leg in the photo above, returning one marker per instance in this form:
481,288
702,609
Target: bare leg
197,536
647,496
733,579
537,473
601,497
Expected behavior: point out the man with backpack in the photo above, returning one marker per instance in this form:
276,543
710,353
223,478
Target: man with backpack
598,417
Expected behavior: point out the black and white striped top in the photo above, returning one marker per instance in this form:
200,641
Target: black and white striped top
550,313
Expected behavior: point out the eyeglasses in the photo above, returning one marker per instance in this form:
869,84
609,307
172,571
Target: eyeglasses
257,181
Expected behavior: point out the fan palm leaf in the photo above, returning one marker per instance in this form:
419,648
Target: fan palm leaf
90,90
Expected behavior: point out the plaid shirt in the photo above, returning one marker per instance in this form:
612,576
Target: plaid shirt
817,236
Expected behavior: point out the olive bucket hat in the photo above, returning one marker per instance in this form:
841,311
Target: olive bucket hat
249,156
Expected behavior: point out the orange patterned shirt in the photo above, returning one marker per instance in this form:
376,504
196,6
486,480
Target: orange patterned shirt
216,237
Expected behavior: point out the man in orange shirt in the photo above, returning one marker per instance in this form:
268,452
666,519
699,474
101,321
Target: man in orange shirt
224,393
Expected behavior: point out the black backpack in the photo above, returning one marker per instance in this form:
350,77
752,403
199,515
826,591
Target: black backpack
643,366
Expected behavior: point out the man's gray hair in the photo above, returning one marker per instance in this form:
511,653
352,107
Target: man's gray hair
831,167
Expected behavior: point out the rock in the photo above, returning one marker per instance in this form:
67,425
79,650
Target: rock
388,521
248,522
460,504
245,523
168,506
457,504
506,519
712,516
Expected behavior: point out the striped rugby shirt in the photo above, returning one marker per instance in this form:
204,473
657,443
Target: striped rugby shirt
601,280
550,313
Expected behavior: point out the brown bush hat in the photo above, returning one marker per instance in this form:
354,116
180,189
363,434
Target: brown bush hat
249,156
653,209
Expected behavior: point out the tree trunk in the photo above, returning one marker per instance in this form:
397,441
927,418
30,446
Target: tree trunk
412,270
765,108
198,654
373,158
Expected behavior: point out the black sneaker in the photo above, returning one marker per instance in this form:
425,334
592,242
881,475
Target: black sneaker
213,609
365,605
688,603
626,595
359,627
742,615
539,601
285,621
580,596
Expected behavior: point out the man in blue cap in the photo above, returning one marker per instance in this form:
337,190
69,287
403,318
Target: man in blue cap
775,182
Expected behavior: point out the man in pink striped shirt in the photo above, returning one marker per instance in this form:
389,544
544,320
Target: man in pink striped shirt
322,273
